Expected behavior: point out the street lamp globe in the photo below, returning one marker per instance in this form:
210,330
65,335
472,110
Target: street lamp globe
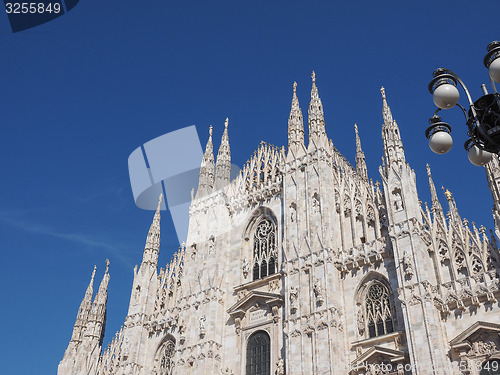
438,134
440,142
494,70
492,60
445,96
479,157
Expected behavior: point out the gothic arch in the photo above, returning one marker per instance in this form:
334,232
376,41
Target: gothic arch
258,353
261,243
373,280
257,215
367,280
164,357
477,266
460,262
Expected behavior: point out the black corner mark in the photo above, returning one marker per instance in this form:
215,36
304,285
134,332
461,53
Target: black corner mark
25,14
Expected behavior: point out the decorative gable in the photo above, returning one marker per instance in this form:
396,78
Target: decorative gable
378,359
255,307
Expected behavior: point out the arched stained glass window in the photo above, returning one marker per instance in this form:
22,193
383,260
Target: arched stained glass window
264,250
259,354
378,311
167,352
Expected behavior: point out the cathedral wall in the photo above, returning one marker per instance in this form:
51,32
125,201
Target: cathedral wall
255,315
355,285
460,320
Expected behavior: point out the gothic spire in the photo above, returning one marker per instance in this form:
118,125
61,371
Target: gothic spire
295,125
99,306
316,118
453,211
206,181
102,294
87,300
360,156
393,146
436,205
84,310
493,176
83,329
152,247
386,110
223,166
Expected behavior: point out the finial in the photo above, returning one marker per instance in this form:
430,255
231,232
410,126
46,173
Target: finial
159,202
382,90
447,193
107,266
226,123
93,274
210,131
356,128
313,76
295,87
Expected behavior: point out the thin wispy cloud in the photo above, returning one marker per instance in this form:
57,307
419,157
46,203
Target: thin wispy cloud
84,240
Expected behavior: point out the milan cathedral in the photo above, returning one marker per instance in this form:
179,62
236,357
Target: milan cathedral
303,265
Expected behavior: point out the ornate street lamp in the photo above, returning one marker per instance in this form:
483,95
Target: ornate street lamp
482,118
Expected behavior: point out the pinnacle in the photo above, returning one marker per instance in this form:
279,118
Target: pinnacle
93,274
295,111
158,208
360,156
314,90
295,123
358,140
386,110
153,238
223,164
316,118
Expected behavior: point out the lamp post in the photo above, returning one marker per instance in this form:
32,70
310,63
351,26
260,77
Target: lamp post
482,118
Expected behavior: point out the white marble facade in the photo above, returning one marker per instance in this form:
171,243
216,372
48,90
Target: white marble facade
303,265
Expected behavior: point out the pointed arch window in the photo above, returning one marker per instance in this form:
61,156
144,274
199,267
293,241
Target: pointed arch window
166,365
264,249
258,361
378,311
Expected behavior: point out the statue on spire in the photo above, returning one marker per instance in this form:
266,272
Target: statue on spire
295,126
207,169
223,164
447,193
386,110
360,156
316,118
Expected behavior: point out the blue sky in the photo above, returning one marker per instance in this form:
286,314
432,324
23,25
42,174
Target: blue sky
80,93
